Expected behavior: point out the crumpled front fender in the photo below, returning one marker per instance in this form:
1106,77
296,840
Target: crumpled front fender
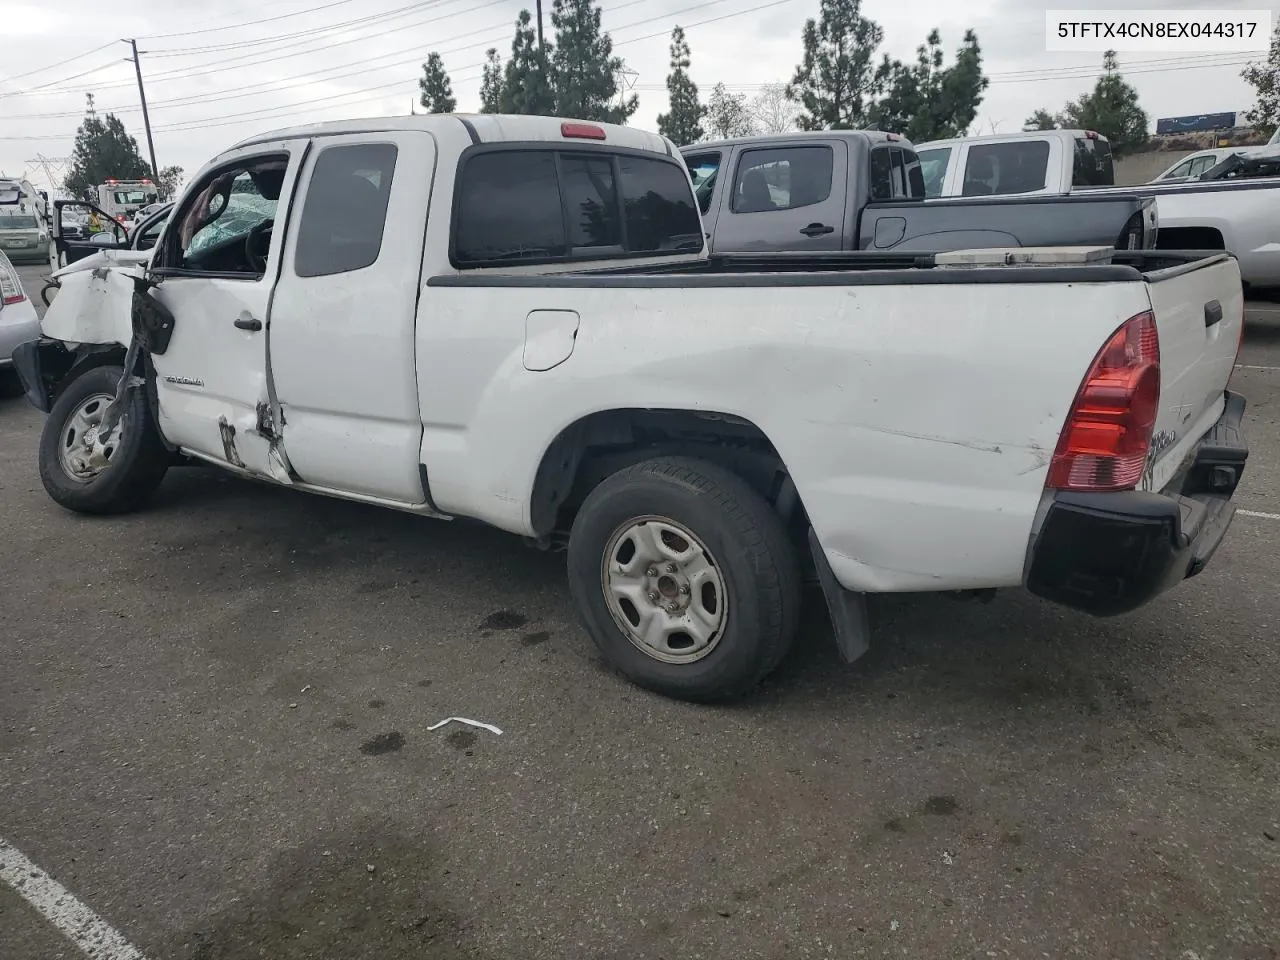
92,306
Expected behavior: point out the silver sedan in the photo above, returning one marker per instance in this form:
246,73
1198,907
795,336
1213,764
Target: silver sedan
18,324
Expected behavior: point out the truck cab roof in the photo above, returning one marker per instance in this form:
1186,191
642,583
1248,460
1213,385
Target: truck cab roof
480,128
866,136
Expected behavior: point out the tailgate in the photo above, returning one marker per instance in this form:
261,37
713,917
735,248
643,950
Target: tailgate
1199,310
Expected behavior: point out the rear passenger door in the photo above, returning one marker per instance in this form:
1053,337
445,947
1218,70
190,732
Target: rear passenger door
342,320
789,196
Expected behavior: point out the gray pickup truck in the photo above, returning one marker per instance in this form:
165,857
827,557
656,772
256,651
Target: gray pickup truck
849,190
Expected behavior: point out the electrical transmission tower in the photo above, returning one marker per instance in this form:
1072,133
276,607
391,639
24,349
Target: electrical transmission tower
55,169
625,78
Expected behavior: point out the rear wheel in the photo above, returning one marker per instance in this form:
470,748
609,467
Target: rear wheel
685,578
85,474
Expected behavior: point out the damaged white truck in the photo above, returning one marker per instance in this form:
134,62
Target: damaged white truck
515,319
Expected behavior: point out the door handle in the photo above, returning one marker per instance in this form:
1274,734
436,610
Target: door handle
1212,313
252,324
817,230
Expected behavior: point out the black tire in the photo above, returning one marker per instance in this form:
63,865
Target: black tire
136,467
10,385
749,544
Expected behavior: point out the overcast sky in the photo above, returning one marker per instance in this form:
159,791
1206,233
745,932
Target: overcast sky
216,74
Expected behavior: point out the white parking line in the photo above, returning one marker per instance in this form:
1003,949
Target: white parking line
1260,516
1248,366
95,938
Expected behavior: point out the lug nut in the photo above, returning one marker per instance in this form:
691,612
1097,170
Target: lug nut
653,598
651,572
671,568
672,607
684,588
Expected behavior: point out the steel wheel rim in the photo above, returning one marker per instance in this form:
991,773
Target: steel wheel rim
80,455
664,590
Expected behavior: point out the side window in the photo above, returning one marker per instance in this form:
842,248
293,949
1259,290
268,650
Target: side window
151,234
782,178
1200,165
660,216
560,204
1003,168
880,169
933,167
703,169
226,225
1181,170
345,211
508,208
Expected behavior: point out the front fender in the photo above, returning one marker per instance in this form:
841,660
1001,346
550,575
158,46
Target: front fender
92,306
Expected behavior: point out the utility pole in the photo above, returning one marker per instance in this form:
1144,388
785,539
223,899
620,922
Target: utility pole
541,47
146,118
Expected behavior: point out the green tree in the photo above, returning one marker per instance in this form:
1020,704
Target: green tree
926,101
103,150
1111,109
493,84
684,123
838,77
1265,80
527,87
727,114
435,90
170,182
1042,119
584,69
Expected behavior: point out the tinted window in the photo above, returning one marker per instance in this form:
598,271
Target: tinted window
933,167
703,169
782,179
915,176
880,169
345,210
591,200
1093,166
1181,170
509,208
552,205
658,205
1004,168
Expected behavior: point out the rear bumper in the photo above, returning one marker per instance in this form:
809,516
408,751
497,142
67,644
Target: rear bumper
1109,553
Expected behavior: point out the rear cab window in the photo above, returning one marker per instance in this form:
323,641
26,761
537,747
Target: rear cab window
557,204
933,168
999,169
782,178
895,174
345,210
704,169
1092,164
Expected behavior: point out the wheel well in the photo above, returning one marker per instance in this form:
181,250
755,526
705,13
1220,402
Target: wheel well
86,357
599,445
1190,238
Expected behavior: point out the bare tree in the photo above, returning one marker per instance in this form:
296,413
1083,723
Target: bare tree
772,111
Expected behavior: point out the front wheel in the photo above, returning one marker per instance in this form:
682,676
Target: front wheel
685,578
84,474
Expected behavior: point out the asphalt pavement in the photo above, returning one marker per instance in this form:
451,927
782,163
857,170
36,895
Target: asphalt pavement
214,732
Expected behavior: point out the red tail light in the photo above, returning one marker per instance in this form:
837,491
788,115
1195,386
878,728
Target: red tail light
1105,442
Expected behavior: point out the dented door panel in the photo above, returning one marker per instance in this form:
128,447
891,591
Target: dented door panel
212,381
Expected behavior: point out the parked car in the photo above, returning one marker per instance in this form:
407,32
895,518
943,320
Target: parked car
1031,163
24,237
19,324
864,190
1195,164
1232,206
556,355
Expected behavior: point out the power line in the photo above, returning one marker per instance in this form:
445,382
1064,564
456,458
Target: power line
60,63
249,23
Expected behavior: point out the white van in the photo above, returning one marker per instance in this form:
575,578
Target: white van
1031,162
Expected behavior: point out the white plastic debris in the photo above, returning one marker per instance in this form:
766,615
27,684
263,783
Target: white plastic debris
893,926
471,723
305,689
947,858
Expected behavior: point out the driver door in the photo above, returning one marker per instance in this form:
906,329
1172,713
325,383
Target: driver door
73,242
215,268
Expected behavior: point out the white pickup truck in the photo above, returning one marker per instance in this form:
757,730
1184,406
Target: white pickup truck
514,319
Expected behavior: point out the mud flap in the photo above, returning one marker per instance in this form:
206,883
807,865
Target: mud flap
848,608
